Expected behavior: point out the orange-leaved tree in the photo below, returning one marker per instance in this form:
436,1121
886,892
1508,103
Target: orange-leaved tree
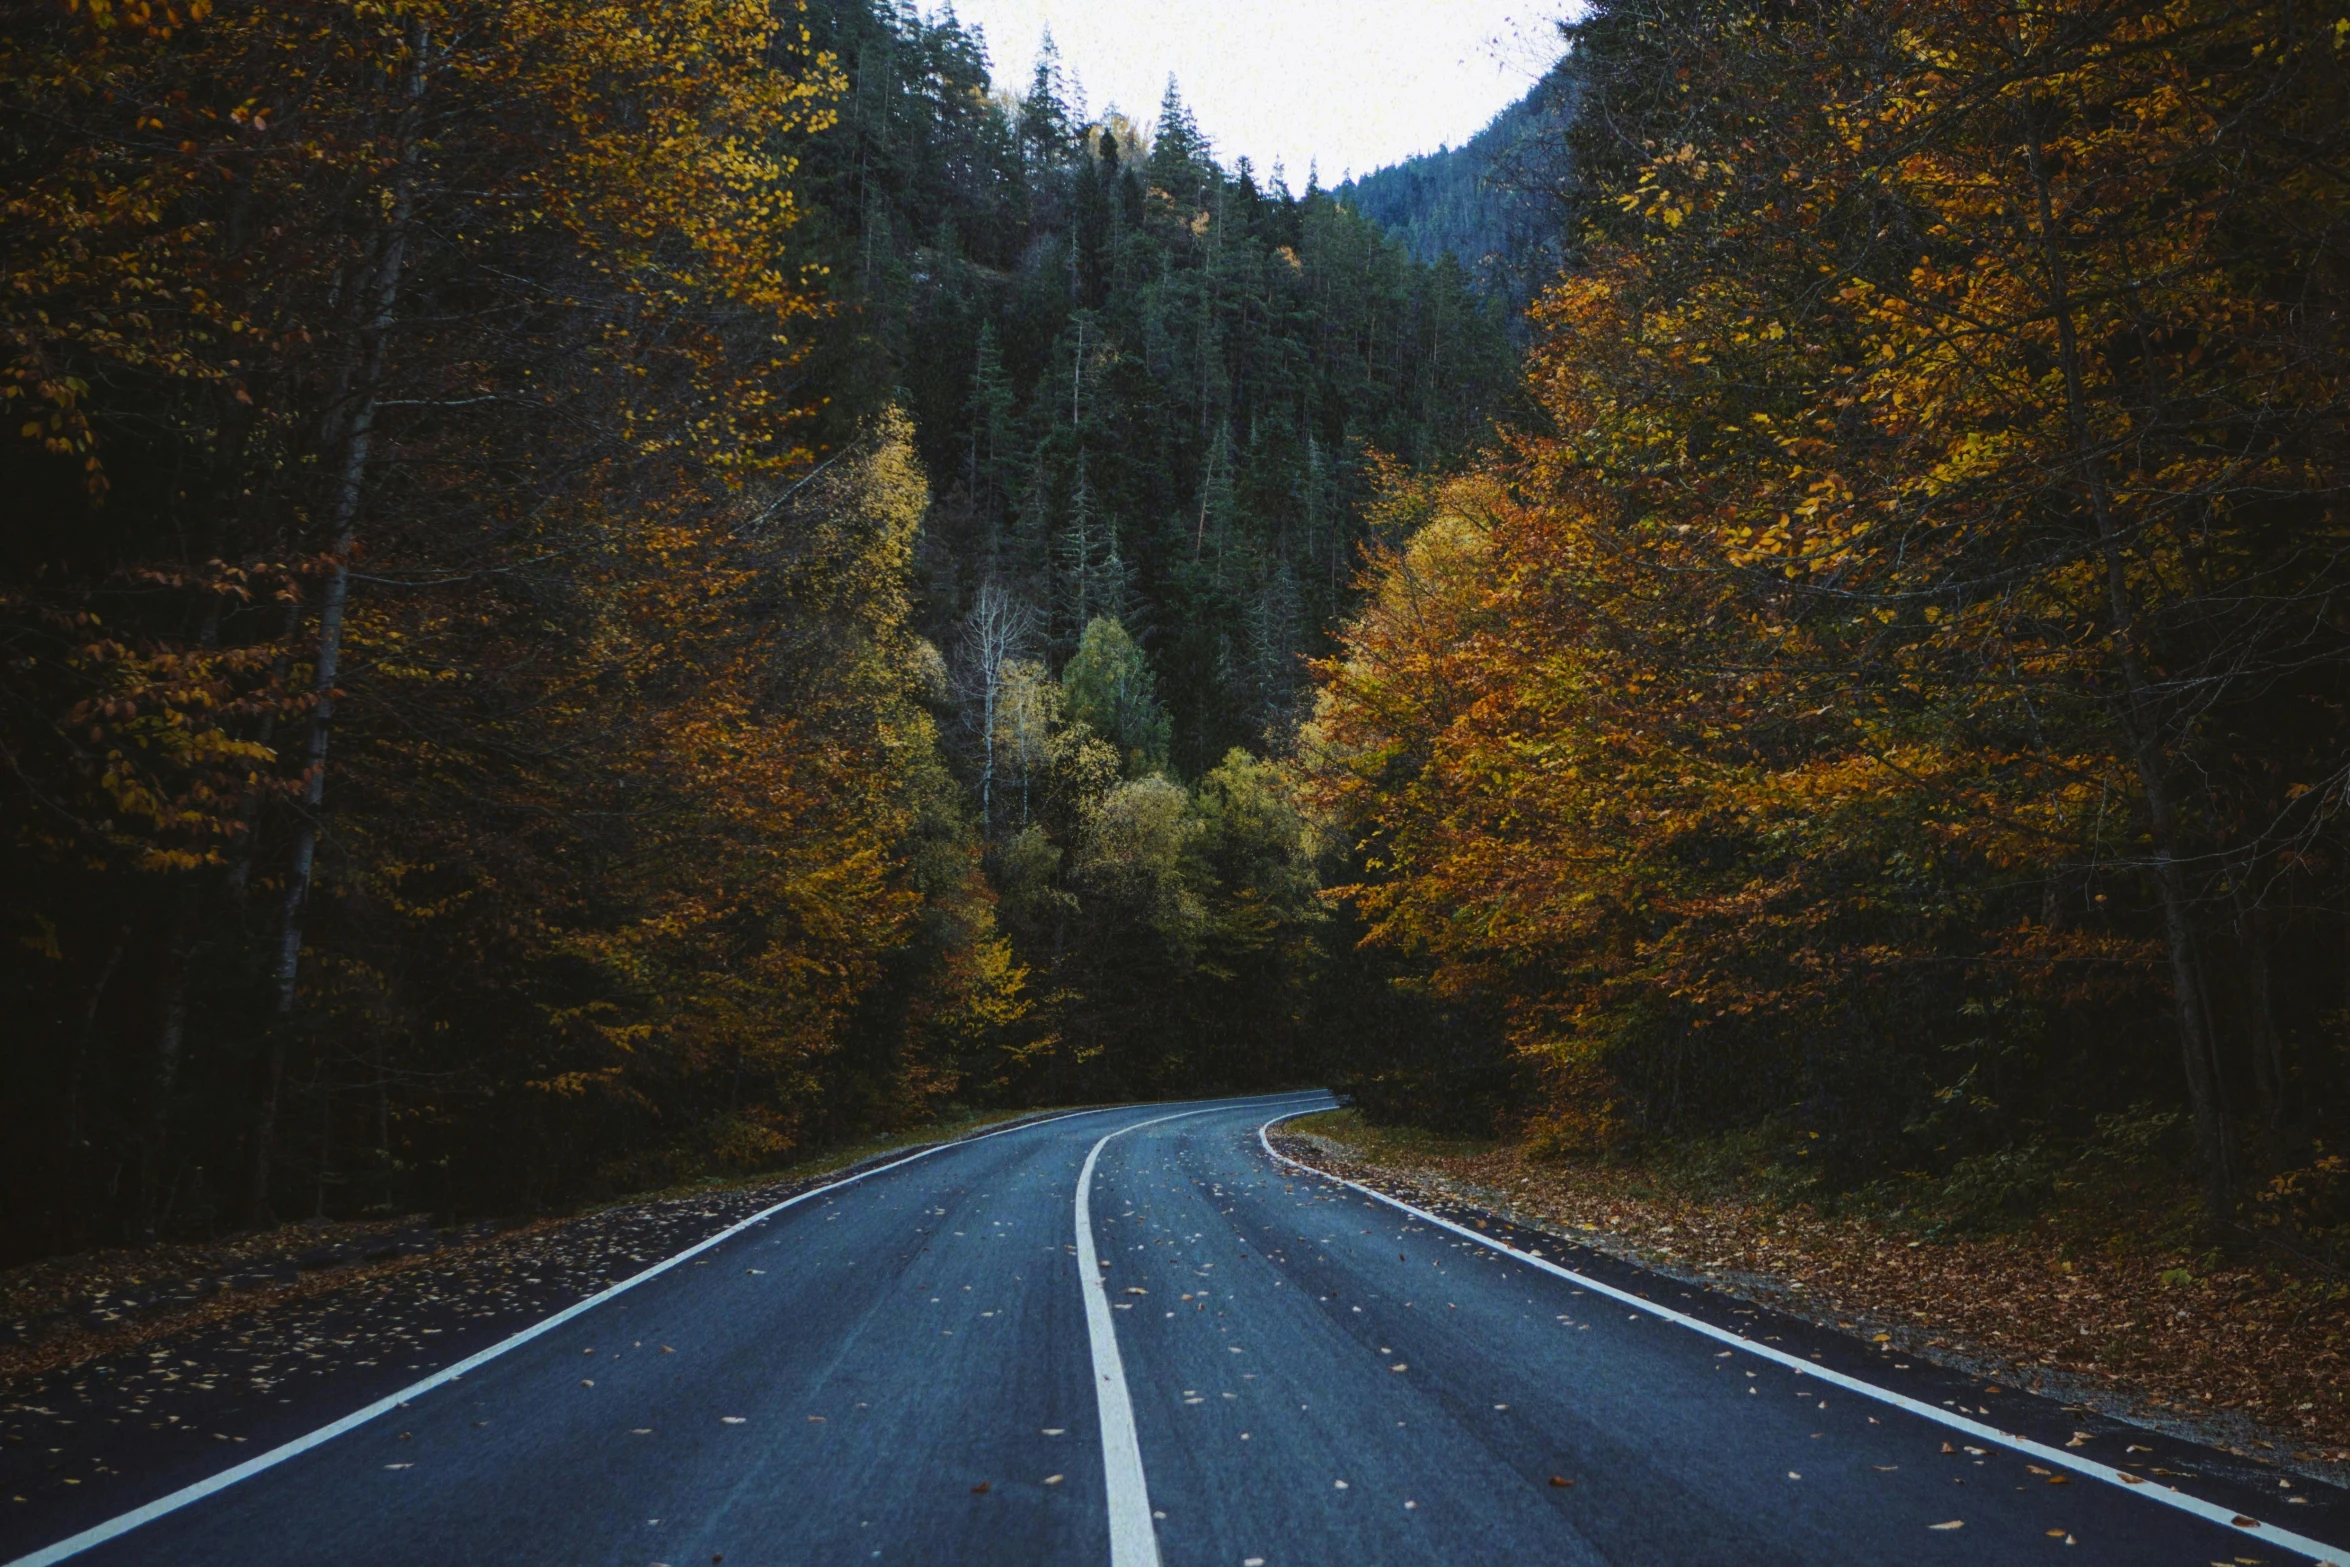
1910,647
413,717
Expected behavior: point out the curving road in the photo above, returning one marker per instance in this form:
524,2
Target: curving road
1272,1368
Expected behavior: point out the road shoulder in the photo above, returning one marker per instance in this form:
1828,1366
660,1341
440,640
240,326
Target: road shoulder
1959,1306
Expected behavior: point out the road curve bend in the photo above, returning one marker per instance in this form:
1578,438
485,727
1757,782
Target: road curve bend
1140,1335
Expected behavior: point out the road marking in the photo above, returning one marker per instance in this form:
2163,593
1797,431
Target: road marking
2250,1529
99,1534
1133,1542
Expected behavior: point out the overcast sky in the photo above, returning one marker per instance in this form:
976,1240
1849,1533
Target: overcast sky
1353,83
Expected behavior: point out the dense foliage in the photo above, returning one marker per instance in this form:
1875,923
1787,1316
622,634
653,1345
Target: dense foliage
1153,393
1891,702
593,594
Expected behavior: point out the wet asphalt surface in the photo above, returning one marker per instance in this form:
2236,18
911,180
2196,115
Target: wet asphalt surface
899,1370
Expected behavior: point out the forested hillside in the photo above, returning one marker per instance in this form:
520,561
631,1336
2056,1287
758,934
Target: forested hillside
593,596
1884,721
1498,204
1153,396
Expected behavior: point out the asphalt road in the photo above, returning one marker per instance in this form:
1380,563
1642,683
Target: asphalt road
1275,1369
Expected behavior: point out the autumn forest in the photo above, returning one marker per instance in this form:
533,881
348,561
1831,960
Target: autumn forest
593,597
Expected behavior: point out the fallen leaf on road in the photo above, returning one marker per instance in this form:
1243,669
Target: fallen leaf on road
1955,1523
732,1420
1056,1430
1136,1289
1399,1366
980,1489
584,1382
815,1420
1338,1485
399,1466
1052,1479
1561,1481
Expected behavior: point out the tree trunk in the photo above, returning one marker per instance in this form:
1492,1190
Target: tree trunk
992,684
2268,1052
326,1138
77,1136
2140,724
383,1127
343,520
240,870
171,1027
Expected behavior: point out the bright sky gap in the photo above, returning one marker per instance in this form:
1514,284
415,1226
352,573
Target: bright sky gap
1352,86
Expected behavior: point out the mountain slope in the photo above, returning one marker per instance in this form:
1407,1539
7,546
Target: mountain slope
1487,203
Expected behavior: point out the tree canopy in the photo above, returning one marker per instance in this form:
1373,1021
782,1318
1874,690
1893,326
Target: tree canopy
593,596
1892,697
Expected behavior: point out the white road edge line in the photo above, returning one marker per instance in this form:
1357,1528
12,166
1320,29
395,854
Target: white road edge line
99,1534
1133,1541
2169,1496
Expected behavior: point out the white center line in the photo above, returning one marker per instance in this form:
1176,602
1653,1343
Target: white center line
1133,1542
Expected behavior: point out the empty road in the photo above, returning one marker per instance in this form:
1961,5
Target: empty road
1135,1335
